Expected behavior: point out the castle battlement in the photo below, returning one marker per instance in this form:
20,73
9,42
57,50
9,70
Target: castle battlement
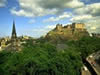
59,27
72,26
78,25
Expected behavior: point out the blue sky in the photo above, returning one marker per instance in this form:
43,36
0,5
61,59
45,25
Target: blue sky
37,17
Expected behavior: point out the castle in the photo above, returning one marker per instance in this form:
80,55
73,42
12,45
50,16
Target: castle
73,26
72,31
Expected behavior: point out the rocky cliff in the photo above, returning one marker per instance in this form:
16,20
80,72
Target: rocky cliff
69,32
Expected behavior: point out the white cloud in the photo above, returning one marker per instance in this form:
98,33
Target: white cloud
50,26
93,9
60,17
22,13
2,3
90,15
92,23
32,21
93,28
81,18
74,4
39,30
32,8
86,13
42,31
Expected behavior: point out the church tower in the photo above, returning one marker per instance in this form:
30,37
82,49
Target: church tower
14,39
15,44
14,35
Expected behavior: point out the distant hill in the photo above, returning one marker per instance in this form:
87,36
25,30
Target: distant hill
73,31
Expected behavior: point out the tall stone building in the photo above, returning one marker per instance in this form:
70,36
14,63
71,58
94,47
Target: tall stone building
14,35
15,42
58,27
78,26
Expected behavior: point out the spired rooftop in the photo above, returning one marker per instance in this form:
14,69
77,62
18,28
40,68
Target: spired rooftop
14,35
14,44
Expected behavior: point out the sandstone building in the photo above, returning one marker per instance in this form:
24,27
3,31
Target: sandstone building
72,31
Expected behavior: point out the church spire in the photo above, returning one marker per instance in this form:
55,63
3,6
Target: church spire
14,35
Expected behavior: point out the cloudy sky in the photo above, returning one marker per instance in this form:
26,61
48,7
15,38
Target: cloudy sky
36,17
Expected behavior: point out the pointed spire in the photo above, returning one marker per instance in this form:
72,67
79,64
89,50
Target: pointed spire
14,35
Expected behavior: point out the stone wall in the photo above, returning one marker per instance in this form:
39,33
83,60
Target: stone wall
78,25
70,32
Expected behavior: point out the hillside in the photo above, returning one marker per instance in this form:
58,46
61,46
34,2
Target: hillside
73,31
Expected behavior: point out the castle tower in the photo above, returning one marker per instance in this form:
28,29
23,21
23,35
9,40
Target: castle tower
59,27
14,35
78,26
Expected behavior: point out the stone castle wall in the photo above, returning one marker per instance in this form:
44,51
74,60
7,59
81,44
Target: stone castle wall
73,31
73,26
78,25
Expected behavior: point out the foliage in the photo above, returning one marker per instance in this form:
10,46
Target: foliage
40,59
43,58
88,45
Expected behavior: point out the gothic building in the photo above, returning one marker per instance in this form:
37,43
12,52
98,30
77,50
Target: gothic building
15,42
14,35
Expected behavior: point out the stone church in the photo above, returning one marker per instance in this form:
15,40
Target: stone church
14,42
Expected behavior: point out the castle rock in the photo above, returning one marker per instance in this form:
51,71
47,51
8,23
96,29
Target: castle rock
73,31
